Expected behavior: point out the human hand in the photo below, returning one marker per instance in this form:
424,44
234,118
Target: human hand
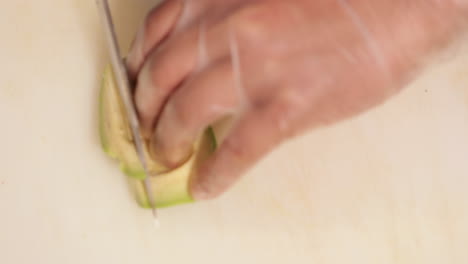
278,68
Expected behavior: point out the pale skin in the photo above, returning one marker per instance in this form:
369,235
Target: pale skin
277,68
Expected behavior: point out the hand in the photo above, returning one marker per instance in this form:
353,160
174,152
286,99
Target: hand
277,68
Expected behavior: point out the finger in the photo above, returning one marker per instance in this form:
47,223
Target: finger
168,67
157,25
164,70
206,98
254,136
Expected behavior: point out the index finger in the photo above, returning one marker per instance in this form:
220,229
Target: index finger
157,26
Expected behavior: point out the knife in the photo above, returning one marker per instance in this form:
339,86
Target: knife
123,82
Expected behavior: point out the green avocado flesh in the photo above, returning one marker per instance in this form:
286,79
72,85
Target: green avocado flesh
168,187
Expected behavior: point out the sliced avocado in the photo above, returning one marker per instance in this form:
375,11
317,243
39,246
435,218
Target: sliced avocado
169,187
106,139
172,188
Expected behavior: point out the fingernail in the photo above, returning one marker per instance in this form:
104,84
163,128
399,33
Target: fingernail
172,157
200,187
200,192
143,98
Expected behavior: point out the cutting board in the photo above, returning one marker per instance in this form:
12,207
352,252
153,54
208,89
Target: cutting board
389,186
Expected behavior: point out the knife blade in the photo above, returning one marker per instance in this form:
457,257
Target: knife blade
123,82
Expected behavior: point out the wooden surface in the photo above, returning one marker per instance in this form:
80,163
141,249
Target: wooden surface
388,187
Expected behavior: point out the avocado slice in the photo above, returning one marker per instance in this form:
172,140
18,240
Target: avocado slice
169,187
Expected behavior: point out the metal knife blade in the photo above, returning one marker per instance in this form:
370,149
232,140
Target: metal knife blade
123,82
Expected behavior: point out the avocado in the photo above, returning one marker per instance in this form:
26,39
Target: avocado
169,187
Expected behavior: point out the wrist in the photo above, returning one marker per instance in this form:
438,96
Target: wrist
411,31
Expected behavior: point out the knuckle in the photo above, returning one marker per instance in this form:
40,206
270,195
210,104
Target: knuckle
234,149
260,22
285,113
251,23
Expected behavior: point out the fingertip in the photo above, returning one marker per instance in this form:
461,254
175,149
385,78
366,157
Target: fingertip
209,182
170,158
201,191
250,140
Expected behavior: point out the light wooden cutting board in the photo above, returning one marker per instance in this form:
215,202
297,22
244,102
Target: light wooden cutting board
390,186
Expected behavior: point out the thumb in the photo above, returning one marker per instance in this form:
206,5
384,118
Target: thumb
254,135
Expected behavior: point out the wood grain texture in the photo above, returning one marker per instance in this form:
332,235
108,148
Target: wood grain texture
387,187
